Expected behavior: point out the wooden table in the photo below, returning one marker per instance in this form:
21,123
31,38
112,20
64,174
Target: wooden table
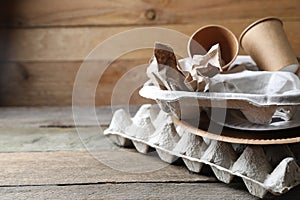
42,157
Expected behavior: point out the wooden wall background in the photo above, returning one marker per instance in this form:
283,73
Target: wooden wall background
43,42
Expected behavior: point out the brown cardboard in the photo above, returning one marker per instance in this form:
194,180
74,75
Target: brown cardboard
204,38
266,42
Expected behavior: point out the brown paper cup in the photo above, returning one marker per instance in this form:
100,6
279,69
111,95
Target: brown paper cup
266,42
204,38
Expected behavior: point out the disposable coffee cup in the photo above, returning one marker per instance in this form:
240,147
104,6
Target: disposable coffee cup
266,42
204,38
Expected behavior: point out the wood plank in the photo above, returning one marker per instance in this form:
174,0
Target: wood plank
33,13
53,129
48,82
32,139
43,117
51,83
58,44
80,167
197,191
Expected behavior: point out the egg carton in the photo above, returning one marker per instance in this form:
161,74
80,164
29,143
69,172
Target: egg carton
231,91
256,108
263,169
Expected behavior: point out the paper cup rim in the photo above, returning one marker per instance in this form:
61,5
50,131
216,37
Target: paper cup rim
218,26
204,27
254,24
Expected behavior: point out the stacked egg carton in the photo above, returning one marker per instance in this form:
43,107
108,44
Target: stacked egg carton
263,169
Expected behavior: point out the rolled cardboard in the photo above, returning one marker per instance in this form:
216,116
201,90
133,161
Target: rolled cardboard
266,42
204,38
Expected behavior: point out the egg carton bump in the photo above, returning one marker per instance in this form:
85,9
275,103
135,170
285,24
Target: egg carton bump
263,168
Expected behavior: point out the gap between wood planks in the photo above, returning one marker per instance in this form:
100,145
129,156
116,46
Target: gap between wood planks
120,183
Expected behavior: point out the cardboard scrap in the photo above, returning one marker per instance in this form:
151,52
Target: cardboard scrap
188,74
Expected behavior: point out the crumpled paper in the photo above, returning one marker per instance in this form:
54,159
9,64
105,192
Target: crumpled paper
163,71
189,74
259,83
203,73
255,82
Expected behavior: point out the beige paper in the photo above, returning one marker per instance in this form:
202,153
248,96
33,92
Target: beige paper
202,67
186,75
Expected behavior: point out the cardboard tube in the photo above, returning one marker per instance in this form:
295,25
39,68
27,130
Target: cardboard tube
266,42
204,38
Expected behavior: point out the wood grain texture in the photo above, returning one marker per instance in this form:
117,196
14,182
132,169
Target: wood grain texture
51,83
44,42
74,44
215,191
32,139
79,175
162,191
44,64
60,116
37,13
78,167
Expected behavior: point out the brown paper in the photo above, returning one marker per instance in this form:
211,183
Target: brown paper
266,42
163,71
206,37
191,75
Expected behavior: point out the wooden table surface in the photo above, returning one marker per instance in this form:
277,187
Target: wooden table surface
42,157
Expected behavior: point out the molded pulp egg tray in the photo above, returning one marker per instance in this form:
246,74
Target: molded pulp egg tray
263,169
256,108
